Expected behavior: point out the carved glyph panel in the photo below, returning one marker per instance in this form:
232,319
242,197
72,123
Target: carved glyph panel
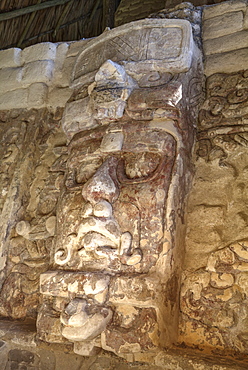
146,45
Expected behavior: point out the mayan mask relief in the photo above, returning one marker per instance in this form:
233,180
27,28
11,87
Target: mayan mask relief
118,243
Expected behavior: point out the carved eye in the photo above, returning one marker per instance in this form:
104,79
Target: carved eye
139,167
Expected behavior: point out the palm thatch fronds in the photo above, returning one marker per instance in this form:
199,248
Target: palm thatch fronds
27,22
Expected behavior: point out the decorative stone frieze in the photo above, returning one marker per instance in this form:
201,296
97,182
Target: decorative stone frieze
214,291
30,143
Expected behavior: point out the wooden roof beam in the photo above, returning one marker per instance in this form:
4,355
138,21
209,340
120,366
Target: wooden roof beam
31,9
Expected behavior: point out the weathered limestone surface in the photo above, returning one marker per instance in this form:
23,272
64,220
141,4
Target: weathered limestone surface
10,58
44,51
228,43
230,61
80,209
217,10
246,19
185,11
214,289
46,63
224,33
28,190
222,25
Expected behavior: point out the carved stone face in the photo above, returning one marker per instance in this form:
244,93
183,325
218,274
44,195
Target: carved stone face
114,199
119,235
111,216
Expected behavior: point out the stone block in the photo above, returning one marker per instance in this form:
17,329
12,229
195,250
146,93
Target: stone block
63,74
59,62
10,58
233,61
58,97
10,79
42,51
222,25
14,99
246,19
37,95
40,71
76,47
77,117
49,328
222,8
237,40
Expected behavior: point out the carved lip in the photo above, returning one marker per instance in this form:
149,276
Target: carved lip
99,240
104,229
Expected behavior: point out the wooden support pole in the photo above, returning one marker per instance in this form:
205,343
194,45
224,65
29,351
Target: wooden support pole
31,9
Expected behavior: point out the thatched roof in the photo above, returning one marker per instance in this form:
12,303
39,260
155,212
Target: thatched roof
27,22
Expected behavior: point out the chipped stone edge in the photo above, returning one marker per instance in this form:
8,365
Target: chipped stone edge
181,63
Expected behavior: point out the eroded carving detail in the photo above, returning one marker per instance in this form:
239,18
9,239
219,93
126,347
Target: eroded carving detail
223,119
214,292
28,202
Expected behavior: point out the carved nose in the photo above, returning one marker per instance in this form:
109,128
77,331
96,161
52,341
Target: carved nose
103,184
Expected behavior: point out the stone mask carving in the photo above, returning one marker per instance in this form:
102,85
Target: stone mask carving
115,265
114,173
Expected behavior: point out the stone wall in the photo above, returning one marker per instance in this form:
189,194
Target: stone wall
34,91
214,289
37,76
225,37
